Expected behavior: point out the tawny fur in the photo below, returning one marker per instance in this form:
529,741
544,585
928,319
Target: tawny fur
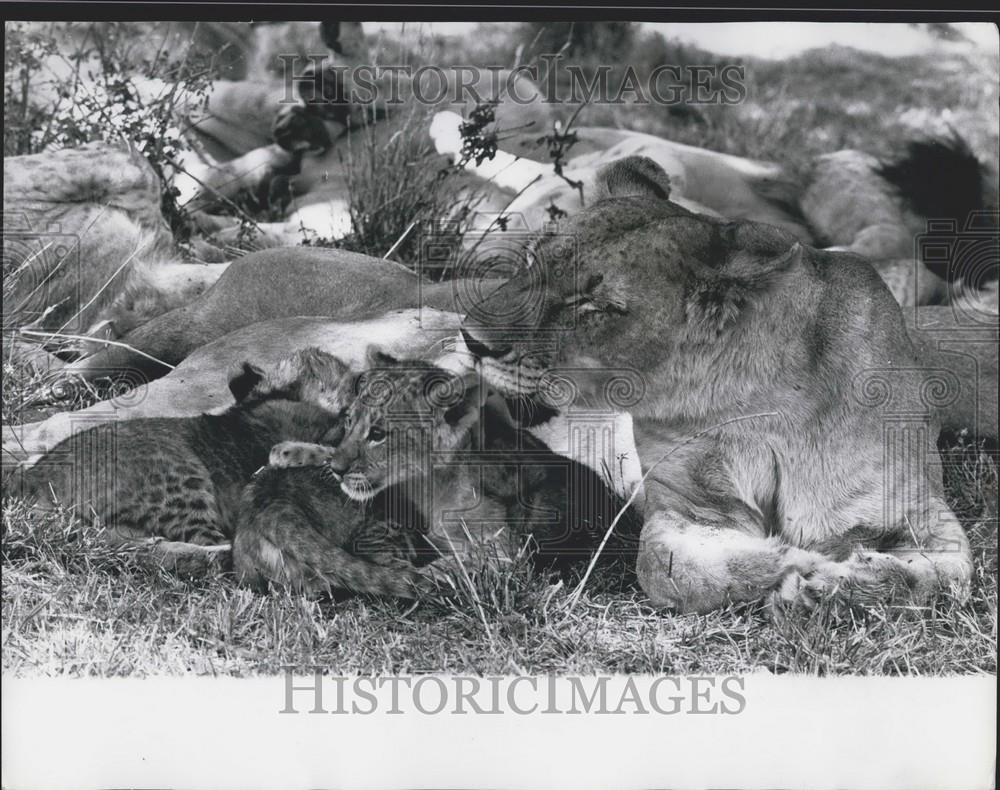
725,321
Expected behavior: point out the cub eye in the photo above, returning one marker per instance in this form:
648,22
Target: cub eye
376,434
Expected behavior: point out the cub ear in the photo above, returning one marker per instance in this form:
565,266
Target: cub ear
377,358
633,175
243,381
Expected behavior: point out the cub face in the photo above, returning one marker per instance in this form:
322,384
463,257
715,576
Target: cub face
403,411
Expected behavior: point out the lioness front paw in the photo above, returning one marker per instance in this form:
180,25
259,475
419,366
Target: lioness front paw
864,578
285,454
807,589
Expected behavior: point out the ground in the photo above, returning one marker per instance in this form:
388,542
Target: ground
74,607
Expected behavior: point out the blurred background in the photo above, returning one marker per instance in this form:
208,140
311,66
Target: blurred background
811,87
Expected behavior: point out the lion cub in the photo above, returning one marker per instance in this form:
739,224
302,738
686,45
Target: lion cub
296,528
418,432
175,483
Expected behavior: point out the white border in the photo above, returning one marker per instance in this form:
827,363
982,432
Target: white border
227,733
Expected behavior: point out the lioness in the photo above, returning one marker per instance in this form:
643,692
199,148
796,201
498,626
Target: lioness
702,180
81,227
850,200
274,284
787,426
198,384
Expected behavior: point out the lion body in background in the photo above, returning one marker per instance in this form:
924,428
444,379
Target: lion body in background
78,224
199,384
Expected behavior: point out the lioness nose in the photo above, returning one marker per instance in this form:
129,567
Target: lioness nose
479,349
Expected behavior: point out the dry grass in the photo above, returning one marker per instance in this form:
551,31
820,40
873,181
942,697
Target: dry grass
73,607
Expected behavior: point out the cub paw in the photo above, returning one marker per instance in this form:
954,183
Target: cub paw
285,454
446,133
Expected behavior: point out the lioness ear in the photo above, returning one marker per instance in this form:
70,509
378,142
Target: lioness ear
755,264
243,381
633,175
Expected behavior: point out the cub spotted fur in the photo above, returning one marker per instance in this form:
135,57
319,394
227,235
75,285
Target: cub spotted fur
175,482
297,528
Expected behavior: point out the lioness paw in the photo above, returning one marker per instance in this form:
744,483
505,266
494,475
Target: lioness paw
446,133
806,590
865,578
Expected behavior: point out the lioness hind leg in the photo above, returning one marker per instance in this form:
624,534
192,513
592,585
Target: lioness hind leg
695,568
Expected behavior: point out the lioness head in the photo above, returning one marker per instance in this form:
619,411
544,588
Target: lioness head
403,411
635,281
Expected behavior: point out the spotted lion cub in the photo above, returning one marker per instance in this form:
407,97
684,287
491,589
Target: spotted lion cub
173,484
483,488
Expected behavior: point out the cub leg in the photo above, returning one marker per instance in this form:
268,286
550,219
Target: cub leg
282,547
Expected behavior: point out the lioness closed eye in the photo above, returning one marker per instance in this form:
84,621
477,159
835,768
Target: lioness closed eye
770,430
